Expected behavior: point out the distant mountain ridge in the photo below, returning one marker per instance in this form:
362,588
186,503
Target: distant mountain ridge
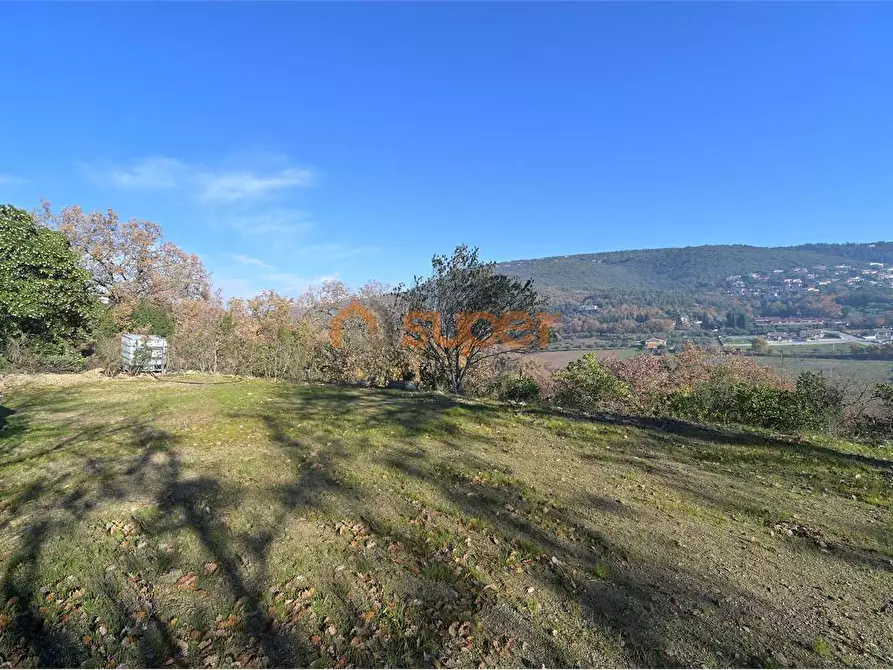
700,269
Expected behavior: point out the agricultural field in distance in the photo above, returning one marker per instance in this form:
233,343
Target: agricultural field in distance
558,359
839,370
827,348
847,370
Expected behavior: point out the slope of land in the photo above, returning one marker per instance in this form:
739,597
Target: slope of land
688,268
210,521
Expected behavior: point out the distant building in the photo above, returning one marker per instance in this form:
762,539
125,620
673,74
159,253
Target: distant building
779,337
653,343
812,335
684,321
884,336
787,321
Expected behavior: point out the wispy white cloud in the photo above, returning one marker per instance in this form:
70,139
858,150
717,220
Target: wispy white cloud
156,172
11,180
249,260
205,184
229,187
275,222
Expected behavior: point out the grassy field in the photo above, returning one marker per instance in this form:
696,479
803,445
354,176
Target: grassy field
847,371
559,359
215,522
823,348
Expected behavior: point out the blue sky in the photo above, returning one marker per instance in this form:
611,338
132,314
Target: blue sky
285,143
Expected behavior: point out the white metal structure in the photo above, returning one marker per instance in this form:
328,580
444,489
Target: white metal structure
143,353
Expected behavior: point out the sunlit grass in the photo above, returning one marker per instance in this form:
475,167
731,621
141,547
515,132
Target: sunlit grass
214,521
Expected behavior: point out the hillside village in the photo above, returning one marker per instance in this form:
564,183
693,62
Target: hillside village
807,294
814,279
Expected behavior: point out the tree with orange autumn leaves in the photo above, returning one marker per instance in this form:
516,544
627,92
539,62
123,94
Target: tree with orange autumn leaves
129,261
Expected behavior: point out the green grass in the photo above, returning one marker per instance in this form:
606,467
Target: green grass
821,648
214,522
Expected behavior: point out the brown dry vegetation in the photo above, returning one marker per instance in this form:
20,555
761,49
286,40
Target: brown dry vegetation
212,521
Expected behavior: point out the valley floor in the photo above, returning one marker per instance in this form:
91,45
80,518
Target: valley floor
209,521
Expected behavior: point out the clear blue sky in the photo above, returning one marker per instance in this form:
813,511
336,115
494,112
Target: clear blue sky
288,142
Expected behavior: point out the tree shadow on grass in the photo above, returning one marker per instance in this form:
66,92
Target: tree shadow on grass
664,615
434,594
101,616
723,435
406,570
412,414
649,606
5,413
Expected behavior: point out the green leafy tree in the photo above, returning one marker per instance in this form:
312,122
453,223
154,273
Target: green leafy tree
43,291
153,318
470,313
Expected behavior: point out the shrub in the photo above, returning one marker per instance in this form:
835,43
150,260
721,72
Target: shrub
67,361
664,384
28,354
587,385
723,402
646,376
812,405
884,393
107,354
518,389
819,405
874,421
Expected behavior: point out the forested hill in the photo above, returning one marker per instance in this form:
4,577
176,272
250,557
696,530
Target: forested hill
704,268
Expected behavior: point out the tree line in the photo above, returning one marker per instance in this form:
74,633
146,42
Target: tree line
71,282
